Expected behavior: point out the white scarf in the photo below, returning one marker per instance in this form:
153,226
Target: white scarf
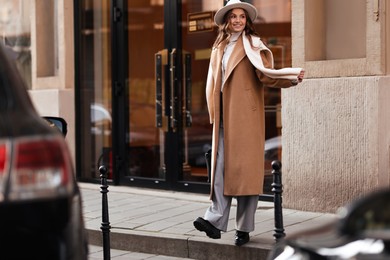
255,58
257,62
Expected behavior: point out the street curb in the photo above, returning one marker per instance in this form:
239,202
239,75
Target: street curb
177,246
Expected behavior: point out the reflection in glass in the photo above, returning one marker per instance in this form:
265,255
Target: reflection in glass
95,87
145,37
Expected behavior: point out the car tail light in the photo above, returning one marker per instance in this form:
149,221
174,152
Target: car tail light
3,159
41,168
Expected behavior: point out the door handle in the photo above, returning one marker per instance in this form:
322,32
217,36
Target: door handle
173,90
161,60
187,90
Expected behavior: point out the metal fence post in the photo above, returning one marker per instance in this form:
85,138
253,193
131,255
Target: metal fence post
105,227
277,189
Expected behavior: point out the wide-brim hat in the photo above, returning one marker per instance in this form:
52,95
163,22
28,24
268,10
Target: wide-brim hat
232,4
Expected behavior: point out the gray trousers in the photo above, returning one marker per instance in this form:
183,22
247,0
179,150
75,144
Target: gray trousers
218,213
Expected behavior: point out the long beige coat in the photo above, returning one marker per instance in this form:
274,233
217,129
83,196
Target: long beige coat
243,117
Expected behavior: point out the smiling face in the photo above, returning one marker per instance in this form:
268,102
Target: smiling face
237,20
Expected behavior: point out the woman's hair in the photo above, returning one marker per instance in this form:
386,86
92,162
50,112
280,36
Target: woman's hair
224,32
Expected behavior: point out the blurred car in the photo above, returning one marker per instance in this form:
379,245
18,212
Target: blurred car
40,202
361,231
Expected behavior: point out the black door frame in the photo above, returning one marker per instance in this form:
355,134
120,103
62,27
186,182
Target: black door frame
119,71
175,140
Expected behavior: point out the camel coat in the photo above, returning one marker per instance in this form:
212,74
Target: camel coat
243,113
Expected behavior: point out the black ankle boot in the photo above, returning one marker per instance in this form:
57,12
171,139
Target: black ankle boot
241,238
205,226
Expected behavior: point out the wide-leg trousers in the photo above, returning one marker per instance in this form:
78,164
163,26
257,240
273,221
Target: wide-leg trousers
218,213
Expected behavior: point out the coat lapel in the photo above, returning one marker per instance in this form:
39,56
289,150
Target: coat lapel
237,55
217,67
214,81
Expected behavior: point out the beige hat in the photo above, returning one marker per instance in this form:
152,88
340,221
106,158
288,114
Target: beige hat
232,4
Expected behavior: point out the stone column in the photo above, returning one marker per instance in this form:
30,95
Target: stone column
336,125
52,52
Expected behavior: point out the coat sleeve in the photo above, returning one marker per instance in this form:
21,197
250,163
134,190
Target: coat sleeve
270,82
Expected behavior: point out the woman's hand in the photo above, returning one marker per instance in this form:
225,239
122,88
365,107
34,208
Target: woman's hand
301,75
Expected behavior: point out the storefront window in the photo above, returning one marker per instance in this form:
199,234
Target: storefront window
94,86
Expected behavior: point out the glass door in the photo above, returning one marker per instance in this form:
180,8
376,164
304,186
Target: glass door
169,46
145,143
138,147
93,96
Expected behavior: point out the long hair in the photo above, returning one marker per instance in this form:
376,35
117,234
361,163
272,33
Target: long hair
224,33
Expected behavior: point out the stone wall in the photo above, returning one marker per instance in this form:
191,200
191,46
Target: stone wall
336,139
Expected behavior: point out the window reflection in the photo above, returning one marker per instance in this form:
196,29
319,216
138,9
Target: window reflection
145,37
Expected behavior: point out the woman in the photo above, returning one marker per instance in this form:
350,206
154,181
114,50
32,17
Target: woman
240,68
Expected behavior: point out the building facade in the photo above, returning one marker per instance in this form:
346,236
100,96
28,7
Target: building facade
129,78
336,131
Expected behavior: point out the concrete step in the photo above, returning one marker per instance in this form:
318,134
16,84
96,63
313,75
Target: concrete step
177,246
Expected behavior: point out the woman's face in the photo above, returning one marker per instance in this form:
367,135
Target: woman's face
237,20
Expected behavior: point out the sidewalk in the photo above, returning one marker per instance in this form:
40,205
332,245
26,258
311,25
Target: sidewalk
160,223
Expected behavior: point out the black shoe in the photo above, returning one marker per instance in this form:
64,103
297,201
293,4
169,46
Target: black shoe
205,226
241,238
